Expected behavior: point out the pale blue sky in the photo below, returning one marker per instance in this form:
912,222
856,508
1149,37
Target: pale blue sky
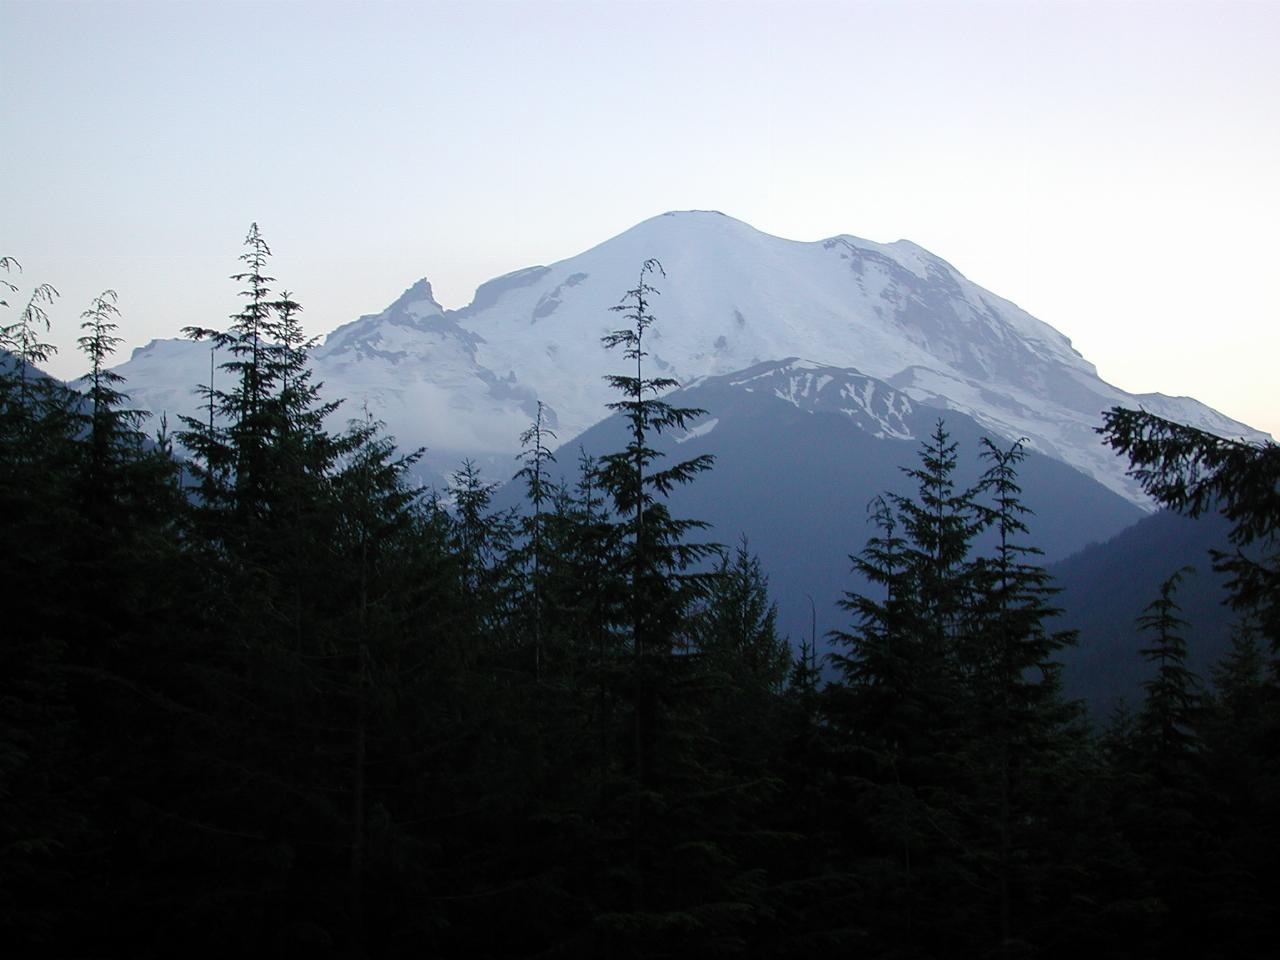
1111,167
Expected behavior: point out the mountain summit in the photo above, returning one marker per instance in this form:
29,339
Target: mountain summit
465,382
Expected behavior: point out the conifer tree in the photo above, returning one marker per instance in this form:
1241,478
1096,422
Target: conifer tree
906,652
939,524
657,557
98,343
36,412
21,339
113,437
235,449
1167,721
957,742
1027,747
884,646
897,712
295,413
8,286
374,512
592,596
586,601
678,877
1193,471
1163,815
482,541
41,821
1240,678
247,343
536,458
736,630
744,663
1240,729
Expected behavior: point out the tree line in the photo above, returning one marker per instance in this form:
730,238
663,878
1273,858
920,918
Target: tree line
260,693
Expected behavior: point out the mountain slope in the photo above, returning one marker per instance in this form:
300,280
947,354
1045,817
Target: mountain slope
1107,586
463,382
802,448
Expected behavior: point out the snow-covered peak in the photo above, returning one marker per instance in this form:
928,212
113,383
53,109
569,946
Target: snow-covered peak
417,301
1193,413
815,387
395,331
906,254
732,298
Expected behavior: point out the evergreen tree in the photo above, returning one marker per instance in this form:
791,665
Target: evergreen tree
586,601
743,661
21,340
1161,805
1167,721
294,413
39,820
956,750
246,341
1192,471
113,438
267,662
1240,679
1240,729
369,644
37,413
483,543
940,523
736,629
536,458
903,702
8,286
231,452
681,803
1028,749
658,557
591,597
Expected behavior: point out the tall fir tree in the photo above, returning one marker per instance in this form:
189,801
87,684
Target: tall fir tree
683,886
658,558
1167,722
40,819
232,442
112,431
900,708
22,341
536,458
1027,751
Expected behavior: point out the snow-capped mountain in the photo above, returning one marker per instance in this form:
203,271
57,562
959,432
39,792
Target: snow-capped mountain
464,382
800,451
872,405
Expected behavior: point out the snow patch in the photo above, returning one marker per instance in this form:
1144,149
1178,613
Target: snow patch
701,430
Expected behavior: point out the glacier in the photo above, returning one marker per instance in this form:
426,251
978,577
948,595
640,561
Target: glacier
466,382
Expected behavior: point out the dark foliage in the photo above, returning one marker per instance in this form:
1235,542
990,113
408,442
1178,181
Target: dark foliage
259,695
1195,472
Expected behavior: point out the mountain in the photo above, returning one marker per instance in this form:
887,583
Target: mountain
1108,585
465,382
801,448
821,366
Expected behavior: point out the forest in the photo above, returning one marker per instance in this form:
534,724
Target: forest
261,694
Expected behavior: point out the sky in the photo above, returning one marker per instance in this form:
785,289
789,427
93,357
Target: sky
1111,167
